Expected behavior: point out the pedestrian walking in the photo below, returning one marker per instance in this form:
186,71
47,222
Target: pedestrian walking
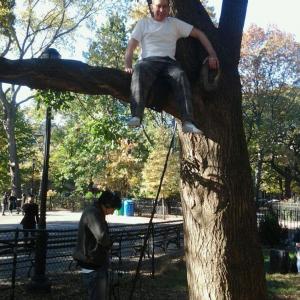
4,203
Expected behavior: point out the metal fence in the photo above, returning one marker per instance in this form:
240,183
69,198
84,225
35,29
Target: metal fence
287,218
17,254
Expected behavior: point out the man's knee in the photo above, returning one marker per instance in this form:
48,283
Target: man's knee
178,74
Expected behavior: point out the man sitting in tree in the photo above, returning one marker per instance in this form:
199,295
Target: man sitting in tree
157,37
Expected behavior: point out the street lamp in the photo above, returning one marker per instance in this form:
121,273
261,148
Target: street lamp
39,281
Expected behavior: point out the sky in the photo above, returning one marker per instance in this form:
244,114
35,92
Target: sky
285,14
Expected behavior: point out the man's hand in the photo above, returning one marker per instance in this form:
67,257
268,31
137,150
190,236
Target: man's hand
132,44
128,70
213,62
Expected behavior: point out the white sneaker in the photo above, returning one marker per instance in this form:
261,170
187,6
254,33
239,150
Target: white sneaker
189,127
134,122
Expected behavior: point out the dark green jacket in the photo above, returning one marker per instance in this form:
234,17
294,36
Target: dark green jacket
93,241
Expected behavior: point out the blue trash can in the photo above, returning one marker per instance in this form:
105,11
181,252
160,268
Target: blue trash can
128,208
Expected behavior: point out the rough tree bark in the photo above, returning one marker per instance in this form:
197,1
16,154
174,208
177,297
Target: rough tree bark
223,255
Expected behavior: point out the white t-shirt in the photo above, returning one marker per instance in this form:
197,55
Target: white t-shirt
159,38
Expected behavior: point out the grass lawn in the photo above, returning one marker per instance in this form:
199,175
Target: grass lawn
283,286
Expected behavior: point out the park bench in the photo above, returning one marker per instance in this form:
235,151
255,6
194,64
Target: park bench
164,235
128,240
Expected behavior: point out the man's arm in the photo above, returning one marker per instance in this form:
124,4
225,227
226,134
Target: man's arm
213,61
132,44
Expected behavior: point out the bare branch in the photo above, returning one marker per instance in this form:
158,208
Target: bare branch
3,96
24,100
22,52
7,48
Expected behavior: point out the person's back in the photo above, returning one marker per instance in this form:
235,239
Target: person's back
30,215
12,200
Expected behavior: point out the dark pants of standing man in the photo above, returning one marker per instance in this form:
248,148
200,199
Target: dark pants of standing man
96,283
146,72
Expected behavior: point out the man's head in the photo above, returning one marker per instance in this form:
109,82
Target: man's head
30,199
109,201
160,9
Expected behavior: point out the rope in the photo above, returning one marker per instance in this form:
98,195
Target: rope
137,272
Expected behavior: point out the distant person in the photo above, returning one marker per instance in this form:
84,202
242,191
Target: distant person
94,243
31,217
4,203
12,202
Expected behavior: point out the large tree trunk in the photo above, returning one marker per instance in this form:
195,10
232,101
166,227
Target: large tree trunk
9,122
223,255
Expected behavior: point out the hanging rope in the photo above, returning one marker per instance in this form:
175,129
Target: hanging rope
137,272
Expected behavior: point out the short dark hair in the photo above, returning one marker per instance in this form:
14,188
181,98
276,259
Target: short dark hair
110,199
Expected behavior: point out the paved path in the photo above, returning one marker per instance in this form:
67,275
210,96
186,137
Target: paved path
67,219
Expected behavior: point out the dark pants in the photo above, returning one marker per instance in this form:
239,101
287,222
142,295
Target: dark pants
4,208
29,231
96,283
146,71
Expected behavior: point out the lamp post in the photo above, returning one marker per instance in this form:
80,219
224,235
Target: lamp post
39,281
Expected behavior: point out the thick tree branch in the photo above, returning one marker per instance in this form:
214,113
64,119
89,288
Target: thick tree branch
78,77
231,26
65,75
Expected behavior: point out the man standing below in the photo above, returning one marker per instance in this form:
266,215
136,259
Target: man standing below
31,217
94,243
157,37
